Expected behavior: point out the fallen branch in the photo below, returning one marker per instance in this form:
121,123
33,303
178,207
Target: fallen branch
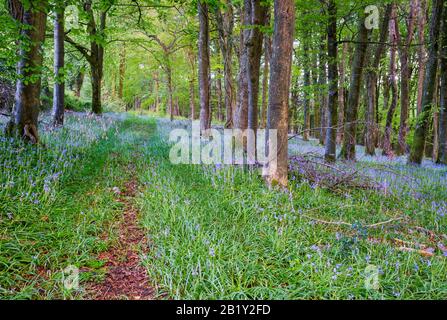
343,223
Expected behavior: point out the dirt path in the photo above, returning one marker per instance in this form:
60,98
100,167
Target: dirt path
126,278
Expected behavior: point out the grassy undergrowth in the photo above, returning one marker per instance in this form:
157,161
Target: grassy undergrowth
219,233
57,204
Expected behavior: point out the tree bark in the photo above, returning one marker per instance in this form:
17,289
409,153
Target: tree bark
322,82
417,150
204,66
421,52
350,128
122,72
392,85
59,64
281,65
306,89
371,86
265,81
241,116
225,26
341,93
254,53
24,121
331,132
442,142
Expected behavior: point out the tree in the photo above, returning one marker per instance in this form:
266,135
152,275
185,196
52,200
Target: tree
417,150
392,84
371,85
442,152
404,49
350,127
204,66
59,64
225,25
24,121
331,132
281,65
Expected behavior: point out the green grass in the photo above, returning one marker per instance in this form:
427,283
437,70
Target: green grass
57,204
221,234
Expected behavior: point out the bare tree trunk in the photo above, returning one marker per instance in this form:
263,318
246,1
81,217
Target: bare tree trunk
331,133
254,53
204,66
323,83
225,26
122,72
392,81
279,87
24,121
341,93
265,81
170,92
371,86
220,114
404,52
306,88
438,15
79,81
350,134
442,142
59,64
241,116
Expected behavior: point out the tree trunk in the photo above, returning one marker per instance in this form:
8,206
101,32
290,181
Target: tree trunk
225,25
254,53
265,81
442,141
421,52
417,151
331,133
405,74
171,109
241,116
59,64
220,115
371,86
392,85
192,88
79,81
322,84
281,65
27,98
341,94
306,89
350,127
122,72
204,66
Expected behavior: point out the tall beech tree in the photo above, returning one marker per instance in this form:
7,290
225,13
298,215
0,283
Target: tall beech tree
417,150
405,74
95,54
358,62
204,65
225,26
371,85
331,131
59,63
33,17
281,67
254,43
442,148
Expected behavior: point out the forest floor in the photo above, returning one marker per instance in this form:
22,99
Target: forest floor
103,197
